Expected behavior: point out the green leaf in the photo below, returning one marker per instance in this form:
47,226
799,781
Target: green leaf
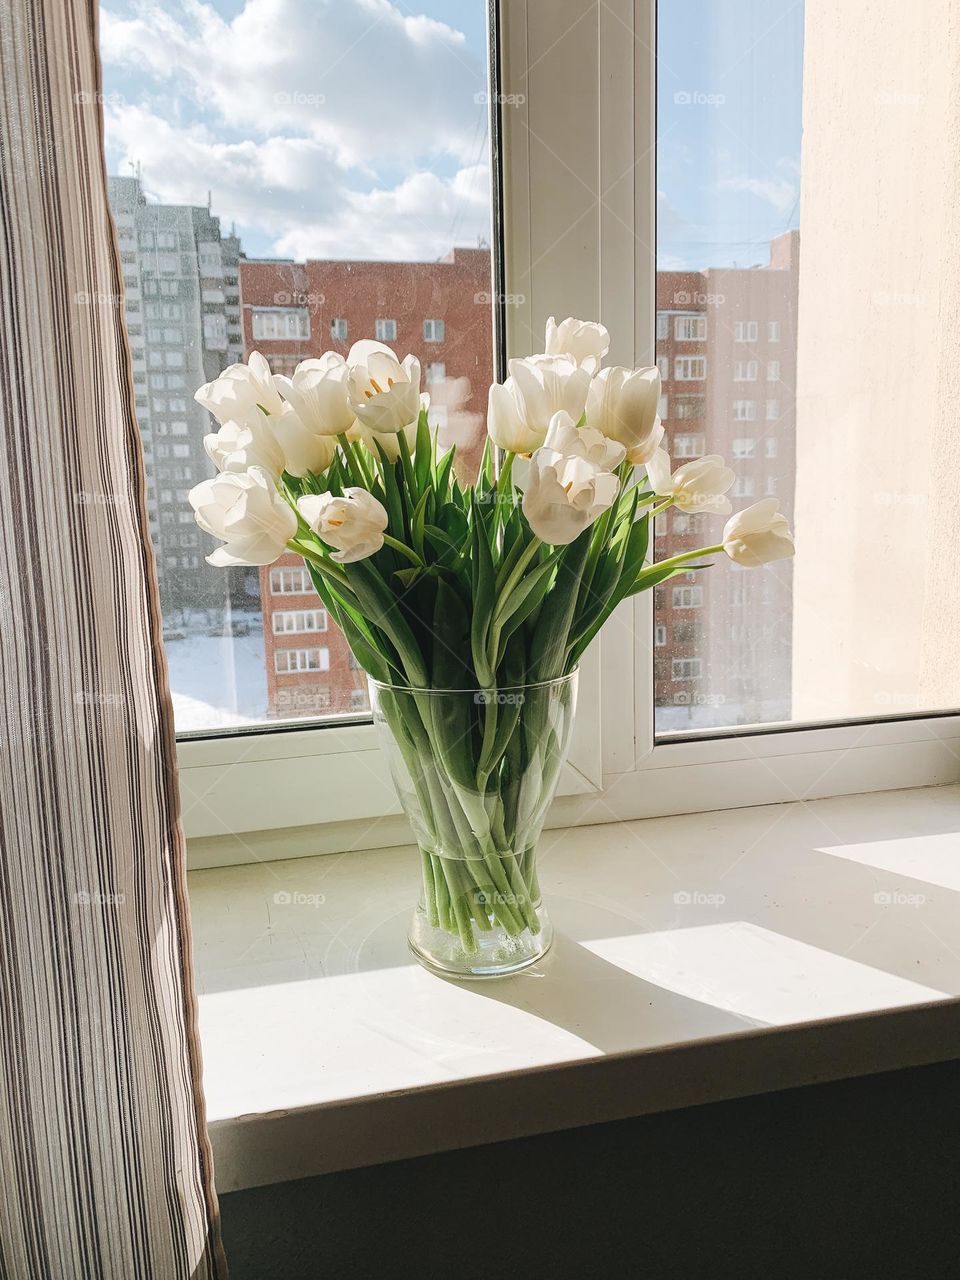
484,597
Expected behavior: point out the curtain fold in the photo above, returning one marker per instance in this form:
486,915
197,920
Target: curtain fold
105,1169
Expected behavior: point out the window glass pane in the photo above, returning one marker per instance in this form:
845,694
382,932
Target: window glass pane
805,215
311,180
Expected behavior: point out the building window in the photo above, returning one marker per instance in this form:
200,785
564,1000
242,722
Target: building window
743,487
271,324
744,410
689,407
688,446
690,368
690,328
663,326
288,661
685,633
685,669
293,620
770,447
290,582
746,371
385,330
338,330
773,330
436,371
433,330
744,447
688,597
359,700
663,365
773,370
773,410
770,487
660,634
745,331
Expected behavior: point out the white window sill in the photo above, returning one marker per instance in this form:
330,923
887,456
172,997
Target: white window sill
698,958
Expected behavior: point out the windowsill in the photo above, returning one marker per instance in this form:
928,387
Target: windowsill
326,1047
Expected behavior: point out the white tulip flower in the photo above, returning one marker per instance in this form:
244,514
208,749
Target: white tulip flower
696,486
622,404
247,513
519,410
354,523
318,393
238,446
237,393
303,450
565,489
389,441
584,341
758,535
383,393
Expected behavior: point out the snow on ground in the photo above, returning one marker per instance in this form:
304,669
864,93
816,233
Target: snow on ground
217,681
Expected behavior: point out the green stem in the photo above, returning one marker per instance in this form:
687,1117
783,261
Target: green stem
685,556
403,549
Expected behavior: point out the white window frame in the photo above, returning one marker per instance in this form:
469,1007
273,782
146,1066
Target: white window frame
579,210
683,323
682,366
385,330
434,330
260,314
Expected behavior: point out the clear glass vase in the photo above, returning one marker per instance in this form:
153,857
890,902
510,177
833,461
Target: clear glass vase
476,770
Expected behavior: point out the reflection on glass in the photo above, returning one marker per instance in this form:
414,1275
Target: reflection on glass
341,228
805,251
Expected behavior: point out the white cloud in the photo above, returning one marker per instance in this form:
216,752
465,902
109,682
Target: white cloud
780,193
375,86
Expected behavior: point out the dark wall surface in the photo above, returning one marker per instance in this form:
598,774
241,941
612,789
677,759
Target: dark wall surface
848,1180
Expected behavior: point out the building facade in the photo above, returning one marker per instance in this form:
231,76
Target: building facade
727,352
442,313
182,301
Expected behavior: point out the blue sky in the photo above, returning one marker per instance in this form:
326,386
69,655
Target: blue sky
350,128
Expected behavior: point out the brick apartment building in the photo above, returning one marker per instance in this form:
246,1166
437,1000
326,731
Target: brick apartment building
726,348
291,311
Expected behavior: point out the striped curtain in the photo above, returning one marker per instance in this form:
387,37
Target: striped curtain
105,1170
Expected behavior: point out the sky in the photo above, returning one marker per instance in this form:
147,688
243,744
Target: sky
358,128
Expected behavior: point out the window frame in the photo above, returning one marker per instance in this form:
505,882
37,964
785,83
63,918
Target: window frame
578,210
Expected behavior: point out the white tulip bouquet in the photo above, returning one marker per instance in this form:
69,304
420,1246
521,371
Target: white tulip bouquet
489,587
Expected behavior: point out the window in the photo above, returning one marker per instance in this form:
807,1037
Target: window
743,447
660,635
436,371
290,582
745,331
773,410
773,370
688,446
773,330
663,366
746,371
271,324
685,632
690,368
687,597
743,487
386,330
685,669
287,620
289,661
686,408
770,486
663,326
338,330
744,410
770,447
433,330
690,328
